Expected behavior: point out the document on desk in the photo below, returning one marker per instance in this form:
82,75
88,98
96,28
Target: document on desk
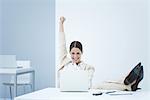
120,93
111,92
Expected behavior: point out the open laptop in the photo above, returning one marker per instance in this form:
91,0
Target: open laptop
75,81
8,61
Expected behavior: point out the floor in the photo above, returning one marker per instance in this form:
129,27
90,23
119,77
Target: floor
5,99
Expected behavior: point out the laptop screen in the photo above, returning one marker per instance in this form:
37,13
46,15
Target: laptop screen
74,80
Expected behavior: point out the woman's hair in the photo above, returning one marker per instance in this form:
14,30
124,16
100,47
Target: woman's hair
76,44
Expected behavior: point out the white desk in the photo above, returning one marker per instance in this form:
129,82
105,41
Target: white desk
15,72
55,94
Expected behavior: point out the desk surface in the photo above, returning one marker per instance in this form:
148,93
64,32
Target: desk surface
55,94
14,70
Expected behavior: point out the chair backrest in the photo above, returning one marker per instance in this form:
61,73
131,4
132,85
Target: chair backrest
8,61
25,78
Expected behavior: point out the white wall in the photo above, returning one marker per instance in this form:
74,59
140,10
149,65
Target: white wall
0,21
148,6
113,33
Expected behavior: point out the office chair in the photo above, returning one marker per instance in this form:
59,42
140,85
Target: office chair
22,80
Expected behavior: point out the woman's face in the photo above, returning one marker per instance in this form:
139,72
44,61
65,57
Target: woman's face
75,55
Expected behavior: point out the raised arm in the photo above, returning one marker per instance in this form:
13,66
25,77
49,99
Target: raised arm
62,44
61,24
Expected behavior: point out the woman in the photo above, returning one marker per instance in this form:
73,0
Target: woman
129,83
76,51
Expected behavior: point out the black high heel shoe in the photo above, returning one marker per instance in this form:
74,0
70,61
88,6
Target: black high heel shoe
133,75
134,87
